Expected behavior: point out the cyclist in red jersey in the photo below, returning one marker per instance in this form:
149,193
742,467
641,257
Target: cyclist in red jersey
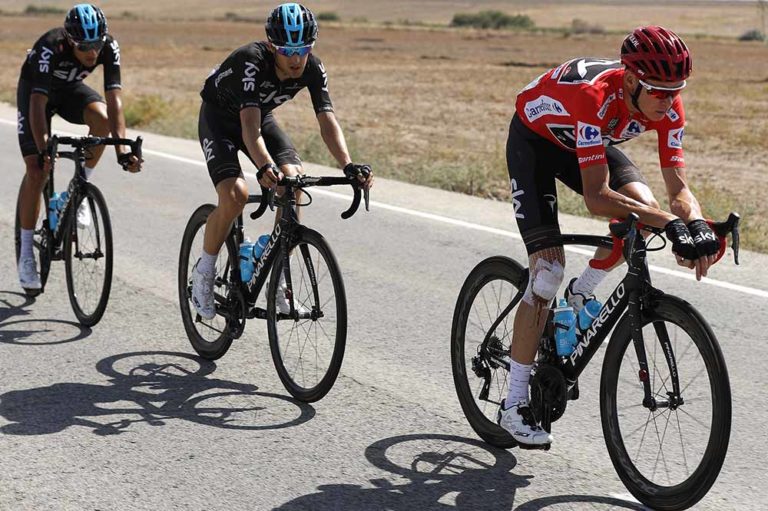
566,126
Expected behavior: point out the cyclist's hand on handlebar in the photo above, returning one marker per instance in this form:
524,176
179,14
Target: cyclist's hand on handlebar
129,162
362,172
269,175
707,245
682,243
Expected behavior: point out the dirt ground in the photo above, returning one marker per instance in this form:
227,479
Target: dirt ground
432,106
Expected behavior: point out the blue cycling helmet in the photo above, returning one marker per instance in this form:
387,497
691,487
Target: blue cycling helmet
291,25
86,23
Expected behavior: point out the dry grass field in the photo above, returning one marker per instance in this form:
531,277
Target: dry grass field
431,105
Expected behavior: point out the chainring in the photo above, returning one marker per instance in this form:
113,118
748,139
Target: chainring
549,391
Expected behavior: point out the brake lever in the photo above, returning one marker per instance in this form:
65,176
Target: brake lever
367,199
735,241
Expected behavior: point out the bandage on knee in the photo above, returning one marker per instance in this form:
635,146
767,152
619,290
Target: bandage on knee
544,282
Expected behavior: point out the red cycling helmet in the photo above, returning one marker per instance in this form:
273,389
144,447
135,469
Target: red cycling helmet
656,53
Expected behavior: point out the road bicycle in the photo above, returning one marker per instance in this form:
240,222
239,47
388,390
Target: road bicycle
85,249
307,341
665,398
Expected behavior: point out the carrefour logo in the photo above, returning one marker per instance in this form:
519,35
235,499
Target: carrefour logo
632,130
675,138
544,105
588,135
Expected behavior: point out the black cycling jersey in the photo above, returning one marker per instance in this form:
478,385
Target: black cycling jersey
51,64
247,78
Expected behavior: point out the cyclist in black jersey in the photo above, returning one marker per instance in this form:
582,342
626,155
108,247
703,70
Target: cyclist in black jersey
51,82
236,115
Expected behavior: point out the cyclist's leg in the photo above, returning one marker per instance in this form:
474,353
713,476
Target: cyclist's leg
626,179
31,189
80,104
534,195
219,139
286,157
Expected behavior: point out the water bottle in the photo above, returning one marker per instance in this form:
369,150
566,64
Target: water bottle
246,260
588,313
53,210
260,245
563,320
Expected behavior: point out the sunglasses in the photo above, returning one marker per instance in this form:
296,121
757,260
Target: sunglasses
89,45
662,92
289,51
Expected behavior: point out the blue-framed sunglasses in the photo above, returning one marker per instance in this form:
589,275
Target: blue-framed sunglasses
289,51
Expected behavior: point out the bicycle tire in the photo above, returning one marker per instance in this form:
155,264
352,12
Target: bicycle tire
494,269
682,494
208,349
43,244
281,345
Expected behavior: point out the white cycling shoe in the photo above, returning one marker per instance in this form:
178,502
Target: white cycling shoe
518,421
84,217
28,276
202,294
282,299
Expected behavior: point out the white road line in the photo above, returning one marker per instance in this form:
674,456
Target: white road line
477,227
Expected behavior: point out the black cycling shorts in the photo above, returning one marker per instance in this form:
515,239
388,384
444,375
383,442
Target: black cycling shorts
68,102
221,138
534,163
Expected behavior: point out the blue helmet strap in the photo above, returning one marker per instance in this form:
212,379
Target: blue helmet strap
293,24
89,21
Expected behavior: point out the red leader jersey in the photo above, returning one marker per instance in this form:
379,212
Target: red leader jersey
580,106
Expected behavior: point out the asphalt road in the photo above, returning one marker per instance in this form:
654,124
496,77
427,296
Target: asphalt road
123,416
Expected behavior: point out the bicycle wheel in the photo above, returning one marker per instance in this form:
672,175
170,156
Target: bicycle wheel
209,338
42,240
480,374
668,458
308,350
88,255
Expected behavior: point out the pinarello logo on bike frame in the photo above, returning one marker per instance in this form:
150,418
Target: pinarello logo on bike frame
588,135
675,138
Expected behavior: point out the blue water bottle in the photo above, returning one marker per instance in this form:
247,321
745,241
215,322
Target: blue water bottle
53,211
246,260
260,245
588,313
563,320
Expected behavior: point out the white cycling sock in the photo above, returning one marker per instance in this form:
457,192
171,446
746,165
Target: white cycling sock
88,173
27,243
519,376
207,264
589,280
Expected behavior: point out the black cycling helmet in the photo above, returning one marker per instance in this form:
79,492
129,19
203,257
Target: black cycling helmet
291,25
86,23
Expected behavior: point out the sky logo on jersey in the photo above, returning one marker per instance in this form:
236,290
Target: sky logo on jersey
588,135
20,125
115,51
544,105
673,116
249,80
45,60
675,138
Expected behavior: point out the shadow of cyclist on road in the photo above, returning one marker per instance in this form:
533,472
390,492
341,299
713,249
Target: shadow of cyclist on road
151,388
33,332
442,472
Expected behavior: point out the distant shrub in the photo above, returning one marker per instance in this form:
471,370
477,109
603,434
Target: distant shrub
579,26
328,16
752,35
145,109
492,19
43,9
129,15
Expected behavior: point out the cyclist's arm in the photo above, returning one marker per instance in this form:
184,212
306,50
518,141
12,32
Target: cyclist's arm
603,201
116,116
333,137
37,119
250,123
681,200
